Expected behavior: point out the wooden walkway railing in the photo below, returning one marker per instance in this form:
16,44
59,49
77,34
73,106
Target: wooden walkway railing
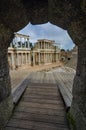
65,84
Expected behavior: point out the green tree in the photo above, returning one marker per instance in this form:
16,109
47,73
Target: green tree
31,45
63,50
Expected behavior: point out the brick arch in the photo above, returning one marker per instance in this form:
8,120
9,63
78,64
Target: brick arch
68,14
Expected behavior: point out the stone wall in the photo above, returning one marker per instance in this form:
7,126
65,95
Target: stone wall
5,89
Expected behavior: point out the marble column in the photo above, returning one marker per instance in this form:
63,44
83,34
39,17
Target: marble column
48,45
51,57
28,42
12,60
47,57
25,42
39,58
17,60
22,58
26,57
44,45
21,41
56,57
16,43
44,57
41,45
29,58
33,58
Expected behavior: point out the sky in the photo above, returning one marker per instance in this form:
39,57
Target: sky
48,31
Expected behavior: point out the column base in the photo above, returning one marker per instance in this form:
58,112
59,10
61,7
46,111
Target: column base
6,107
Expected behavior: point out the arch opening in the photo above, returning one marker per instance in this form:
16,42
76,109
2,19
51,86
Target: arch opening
38,32
44,33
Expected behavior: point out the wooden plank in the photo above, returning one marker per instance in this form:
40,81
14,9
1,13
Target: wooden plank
19,91
36,100
38,89
54,112
14,128
64,86
40,107
26,124
40,118
66,94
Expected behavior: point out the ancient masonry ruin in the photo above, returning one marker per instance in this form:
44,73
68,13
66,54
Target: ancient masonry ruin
20,54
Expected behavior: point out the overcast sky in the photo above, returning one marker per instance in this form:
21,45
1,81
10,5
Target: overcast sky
48,31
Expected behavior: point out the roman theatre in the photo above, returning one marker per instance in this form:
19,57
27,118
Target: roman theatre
67,14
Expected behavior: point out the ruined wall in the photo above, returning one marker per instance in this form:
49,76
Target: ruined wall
11,12
68,14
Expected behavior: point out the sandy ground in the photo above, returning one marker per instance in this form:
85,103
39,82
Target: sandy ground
17,76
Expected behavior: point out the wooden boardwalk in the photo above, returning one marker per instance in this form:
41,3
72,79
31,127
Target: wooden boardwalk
65,84
41,106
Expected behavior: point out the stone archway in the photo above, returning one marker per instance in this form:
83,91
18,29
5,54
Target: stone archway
68,14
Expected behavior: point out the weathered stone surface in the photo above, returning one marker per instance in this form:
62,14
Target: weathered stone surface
6,36
37,11
6,107
78,109
68,14
13,14
4,76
